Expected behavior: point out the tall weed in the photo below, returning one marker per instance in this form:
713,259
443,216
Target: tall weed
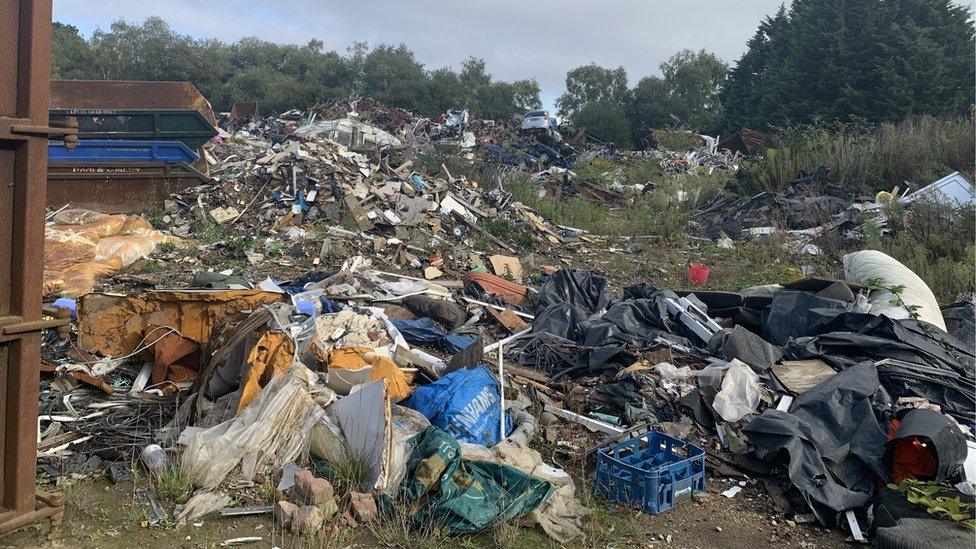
918,150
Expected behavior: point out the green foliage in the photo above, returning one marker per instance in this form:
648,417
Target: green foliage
283,76
593,84
637,218
935,240
606,172
846,60
70,53
926,495
694,80
605,121
676,140
506,231
918,150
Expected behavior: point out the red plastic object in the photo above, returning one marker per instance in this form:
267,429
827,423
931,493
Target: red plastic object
698,274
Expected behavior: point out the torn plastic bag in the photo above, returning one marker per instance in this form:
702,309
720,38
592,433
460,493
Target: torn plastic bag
424,331
465,496
582,288
270,432
406,425
740,392
833,439
465,403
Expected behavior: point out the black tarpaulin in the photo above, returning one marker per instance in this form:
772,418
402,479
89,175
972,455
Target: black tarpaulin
632,324
584,289
834,441
912,360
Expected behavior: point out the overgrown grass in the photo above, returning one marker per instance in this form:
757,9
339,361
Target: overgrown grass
606,172
918,150
637,218
936,241
173,485
347,470
675,140
506,231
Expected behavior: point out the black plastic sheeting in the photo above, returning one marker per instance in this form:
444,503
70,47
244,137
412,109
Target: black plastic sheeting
739,343
791,315
559,319
960,319
572,334
584,289
632,324
924,361
834,440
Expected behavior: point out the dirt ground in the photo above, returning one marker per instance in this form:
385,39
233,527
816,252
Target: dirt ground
101,515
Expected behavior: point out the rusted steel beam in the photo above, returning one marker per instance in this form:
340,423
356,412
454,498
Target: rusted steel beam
25,55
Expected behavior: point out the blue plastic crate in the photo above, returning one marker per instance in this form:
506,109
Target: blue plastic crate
649,472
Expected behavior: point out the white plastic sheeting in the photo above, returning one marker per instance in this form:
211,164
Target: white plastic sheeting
272,431
740,392
861,267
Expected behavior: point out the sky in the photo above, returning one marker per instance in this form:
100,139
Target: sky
518,39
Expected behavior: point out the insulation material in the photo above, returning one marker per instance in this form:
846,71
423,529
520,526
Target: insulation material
271,432
861,267
176,359
380,367
114,325
81,245
349,329
272,354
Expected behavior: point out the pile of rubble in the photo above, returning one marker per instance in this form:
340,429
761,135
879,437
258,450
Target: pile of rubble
352,389
423,375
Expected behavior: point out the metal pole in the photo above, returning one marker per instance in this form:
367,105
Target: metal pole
501,388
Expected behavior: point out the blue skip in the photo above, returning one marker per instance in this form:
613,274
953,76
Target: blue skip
112,151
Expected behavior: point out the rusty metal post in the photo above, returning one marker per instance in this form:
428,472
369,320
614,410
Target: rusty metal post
25,56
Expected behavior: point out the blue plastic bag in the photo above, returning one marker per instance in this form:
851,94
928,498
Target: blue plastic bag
424,331
465,403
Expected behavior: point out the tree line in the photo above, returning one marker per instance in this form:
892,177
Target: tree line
283,76
816,61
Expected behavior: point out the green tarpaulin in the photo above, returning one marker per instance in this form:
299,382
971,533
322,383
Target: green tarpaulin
465,496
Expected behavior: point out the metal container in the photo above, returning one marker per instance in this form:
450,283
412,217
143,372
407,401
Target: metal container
117,188
186,125
113,151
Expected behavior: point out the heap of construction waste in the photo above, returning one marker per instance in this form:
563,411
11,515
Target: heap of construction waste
421,372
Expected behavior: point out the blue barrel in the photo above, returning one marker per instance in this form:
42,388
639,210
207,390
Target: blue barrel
109,151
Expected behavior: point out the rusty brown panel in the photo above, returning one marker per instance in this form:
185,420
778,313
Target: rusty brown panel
25,53
129,94
116,189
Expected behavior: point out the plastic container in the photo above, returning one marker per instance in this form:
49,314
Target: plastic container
650,472
698,274
154,459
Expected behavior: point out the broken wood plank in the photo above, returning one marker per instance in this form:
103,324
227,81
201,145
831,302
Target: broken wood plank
358,213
